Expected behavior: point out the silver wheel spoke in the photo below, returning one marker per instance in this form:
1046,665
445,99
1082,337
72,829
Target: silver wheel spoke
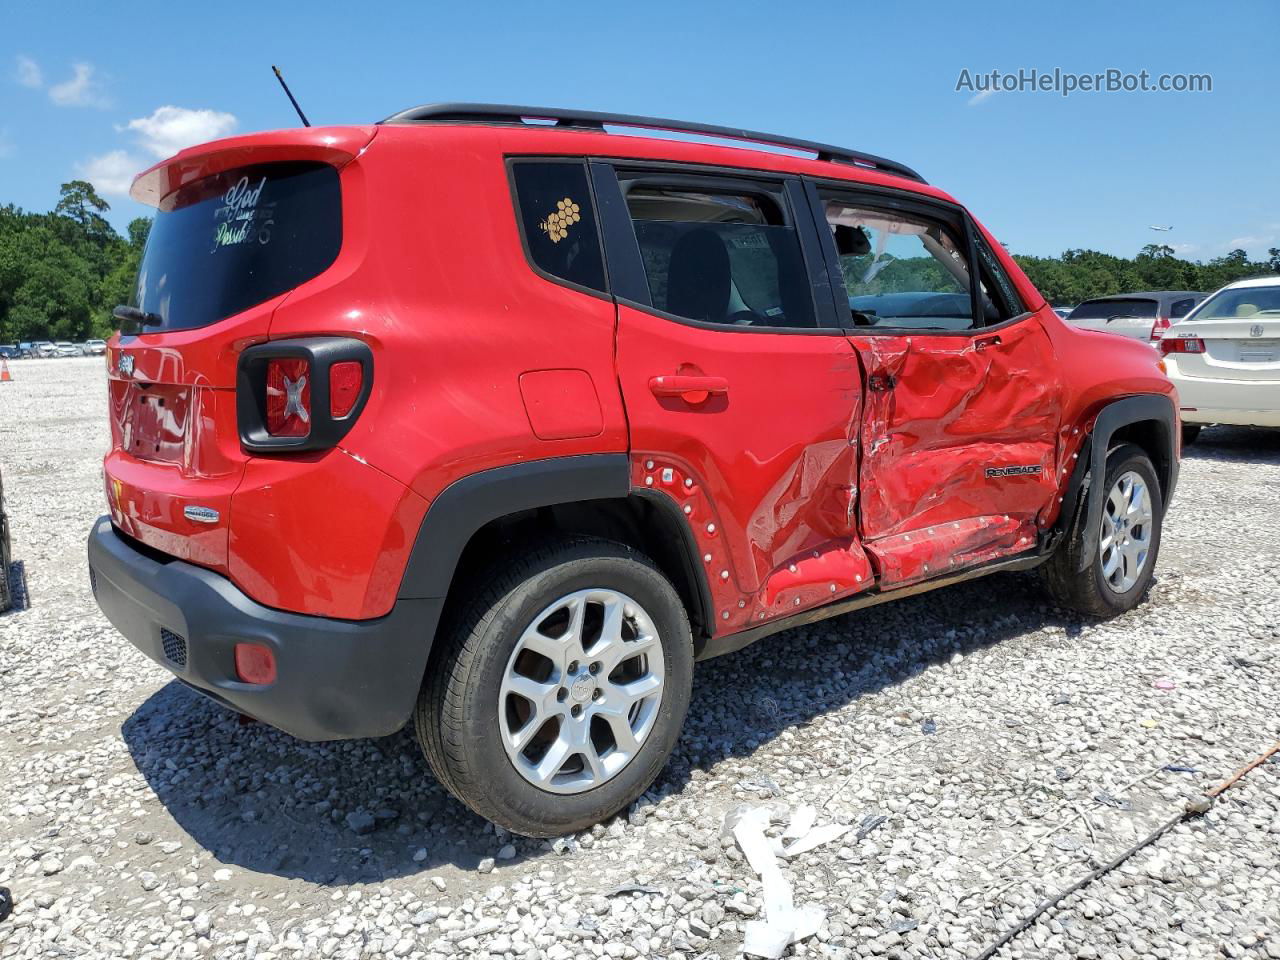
568,728
1125,533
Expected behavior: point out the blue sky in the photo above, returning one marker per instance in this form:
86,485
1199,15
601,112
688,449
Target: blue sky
101,90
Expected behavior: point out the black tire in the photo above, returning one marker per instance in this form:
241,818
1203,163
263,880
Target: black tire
1190,433
457,719
1087,591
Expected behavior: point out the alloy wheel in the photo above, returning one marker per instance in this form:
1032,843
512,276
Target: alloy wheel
581,691
1125,539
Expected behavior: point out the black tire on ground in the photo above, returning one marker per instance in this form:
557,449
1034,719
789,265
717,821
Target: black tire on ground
1190,432
457,715
1087,591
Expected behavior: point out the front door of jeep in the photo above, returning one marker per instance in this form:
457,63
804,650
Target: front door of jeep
742,394
961,409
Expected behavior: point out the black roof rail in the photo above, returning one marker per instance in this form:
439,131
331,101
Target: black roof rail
593,120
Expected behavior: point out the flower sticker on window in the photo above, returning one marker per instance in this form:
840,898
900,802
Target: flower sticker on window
557,223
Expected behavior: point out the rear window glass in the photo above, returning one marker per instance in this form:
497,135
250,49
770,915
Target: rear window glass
1118,307
559,222
1241,303
723,258
230,241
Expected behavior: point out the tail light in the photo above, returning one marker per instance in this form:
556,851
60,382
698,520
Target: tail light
288,398
304,394
1158,328
1181,345
345,380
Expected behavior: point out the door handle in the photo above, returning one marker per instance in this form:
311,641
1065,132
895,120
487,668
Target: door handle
687,387
983,342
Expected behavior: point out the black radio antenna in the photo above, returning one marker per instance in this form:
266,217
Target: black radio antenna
288,93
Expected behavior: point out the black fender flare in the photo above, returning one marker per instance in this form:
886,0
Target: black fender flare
1121,413
470,502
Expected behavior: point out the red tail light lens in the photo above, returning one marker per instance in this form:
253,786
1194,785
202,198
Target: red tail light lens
288,397
1181,345
345,380
1159,327
255,663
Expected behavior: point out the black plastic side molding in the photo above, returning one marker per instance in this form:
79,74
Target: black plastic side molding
468,504
1121,413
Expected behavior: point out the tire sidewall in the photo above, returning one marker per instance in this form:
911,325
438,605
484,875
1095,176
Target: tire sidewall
523,802
1123,460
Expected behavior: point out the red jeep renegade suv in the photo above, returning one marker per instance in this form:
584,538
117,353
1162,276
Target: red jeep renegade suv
497,419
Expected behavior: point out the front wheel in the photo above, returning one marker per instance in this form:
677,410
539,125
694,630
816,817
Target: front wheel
1116,575
562,689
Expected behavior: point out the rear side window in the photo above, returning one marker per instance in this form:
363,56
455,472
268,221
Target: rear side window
729,258
1181,308
558,221
1104,309
225,243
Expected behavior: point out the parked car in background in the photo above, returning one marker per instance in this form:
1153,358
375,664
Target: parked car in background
10,351
1224,358
65,348
1141,316
95,348
689,440
26,350
43,349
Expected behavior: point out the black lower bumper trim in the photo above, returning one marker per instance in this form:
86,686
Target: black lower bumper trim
336,679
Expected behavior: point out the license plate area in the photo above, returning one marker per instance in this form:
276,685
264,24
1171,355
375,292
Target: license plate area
1258,351
155,422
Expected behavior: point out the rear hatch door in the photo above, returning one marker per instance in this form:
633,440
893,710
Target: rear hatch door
240,225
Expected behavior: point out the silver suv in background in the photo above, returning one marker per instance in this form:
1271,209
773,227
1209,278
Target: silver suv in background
1141,316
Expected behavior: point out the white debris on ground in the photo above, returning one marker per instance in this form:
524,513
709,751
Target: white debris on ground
981,750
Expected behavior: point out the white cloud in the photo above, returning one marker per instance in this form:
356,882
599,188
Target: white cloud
28,73
169,129
981,97
82,90
112,173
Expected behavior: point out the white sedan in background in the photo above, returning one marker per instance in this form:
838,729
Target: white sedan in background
1224,358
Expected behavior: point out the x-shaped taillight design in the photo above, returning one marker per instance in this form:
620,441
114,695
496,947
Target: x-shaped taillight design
293,398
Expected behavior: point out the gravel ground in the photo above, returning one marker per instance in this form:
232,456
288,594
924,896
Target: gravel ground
956,730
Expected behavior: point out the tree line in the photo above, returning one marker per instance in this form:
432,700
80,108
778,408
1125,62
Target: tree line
62,272
1081,274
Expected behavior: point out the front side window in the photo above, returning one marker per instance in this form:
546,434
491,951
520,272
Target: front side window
900,270
228,242
559,221
723,257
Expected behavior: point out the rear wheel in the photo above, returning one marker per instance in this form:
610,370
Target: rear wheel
562,689
1117,573
1190,433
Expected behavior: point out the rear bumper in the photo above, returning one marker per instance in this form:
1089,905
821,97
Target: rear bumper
1249,403
335,679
